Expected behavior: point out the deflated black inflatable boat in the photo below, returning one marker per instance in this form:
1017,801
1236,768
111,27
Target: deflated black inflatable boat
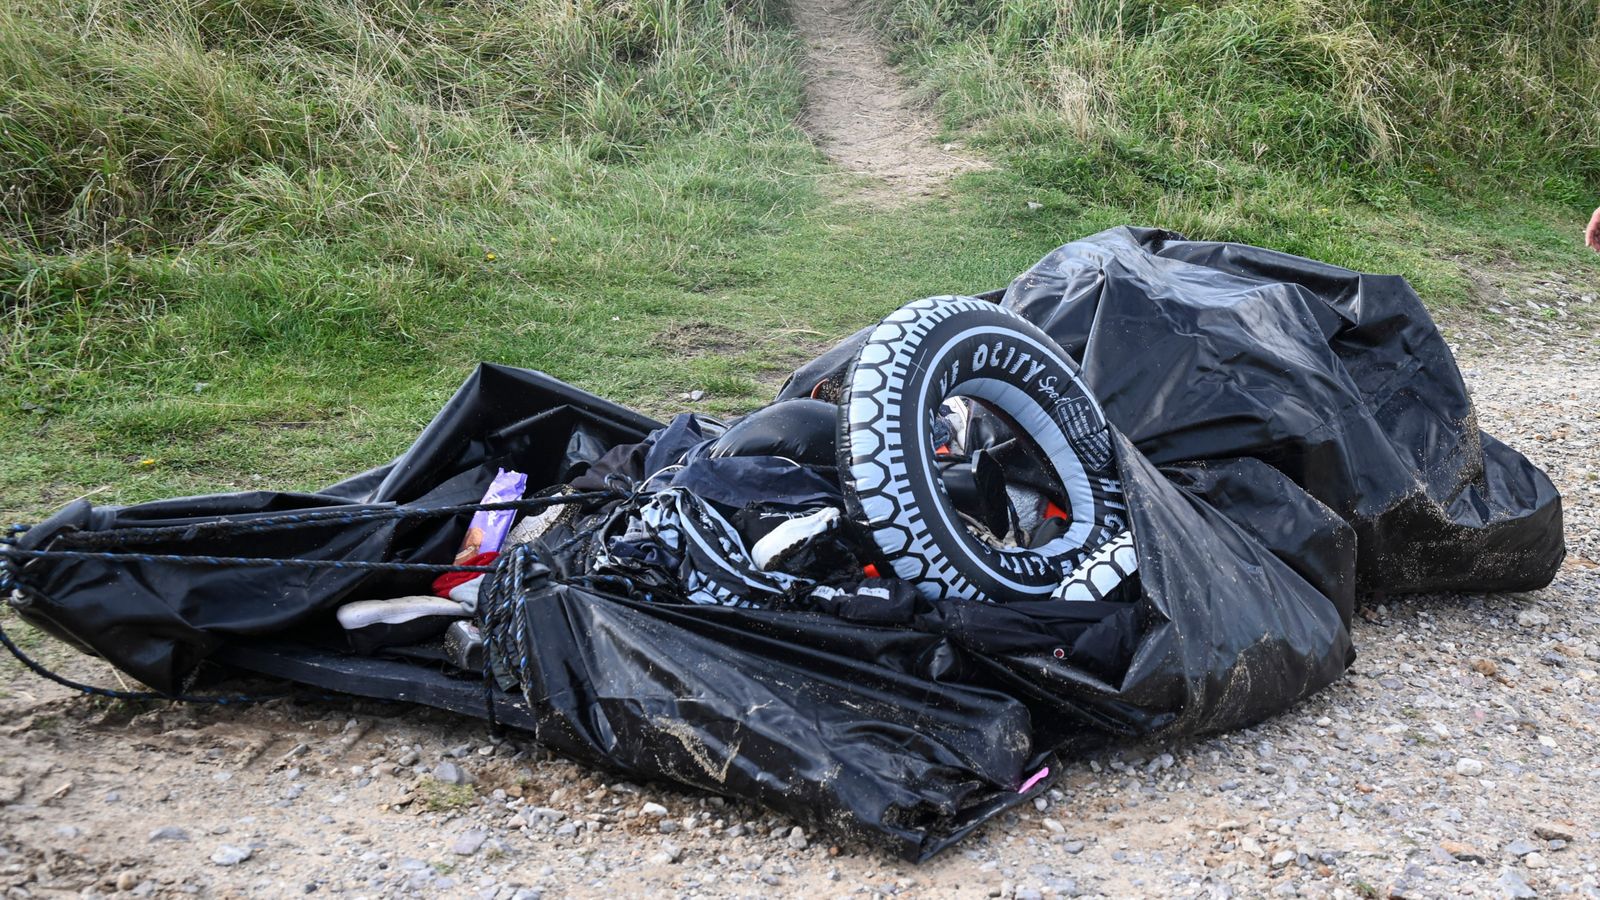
881,604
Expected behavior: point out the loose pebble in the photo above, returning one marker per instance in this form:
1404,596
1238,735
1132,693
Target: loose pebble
450,773
468,844
229,855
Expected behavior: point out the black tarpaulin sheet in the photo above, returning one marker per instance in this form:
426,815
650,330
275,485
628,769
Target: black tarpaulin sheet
1290,435
157,620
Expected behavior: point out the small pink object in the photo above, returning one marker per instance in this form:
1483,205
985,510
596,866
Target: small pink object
1037,777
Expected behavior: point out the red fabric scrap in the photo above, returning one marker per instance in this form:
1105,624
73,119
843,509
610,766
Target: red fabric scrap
449,581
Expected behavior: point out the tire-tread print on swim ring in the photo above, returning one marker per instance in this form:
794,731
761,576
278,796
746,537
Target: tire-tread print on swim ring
912,361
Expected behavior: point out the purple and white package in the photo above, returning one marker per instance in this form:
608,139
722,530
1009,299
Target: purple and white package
488,527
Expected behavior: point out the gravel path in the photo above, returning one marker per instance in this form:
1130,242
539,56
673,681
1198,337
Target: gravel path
861,116
1456,759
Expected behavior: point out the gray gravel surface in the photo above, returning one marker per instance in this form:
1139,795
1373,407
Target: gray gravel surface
1458,758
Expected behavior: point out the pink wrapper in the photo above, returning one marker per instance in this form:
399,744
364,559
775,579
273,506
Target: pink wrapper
488,527
1037,777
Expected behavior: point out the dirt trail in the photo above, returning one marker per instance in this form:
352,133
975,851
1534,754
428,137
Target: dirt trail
859,113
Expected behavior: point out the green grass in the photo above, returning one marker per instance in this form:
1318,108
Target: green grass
265,237
256,243
433,795
1414,137
1362,99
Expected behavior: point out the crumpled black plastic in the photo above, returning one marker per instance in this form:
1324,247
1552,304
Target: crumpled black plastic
1291,435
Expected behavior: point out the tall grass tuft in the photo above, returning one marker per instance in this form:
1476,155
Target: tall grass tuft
315,186
1457,93
145,123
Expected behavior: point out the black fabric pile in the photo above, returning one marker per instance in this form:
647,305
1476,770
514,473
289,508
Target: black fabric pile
1290,435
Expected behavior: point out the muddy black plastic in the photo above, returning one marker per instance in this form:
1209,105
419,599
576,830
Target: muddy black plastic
802,430
1290,435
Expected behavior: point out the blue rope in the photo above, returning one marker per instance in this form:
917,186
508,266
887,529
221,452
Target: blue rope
8,543
292,563
8,584
226,527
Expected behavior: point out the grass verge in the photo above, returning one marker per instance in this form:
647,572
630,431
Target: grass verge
256,243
